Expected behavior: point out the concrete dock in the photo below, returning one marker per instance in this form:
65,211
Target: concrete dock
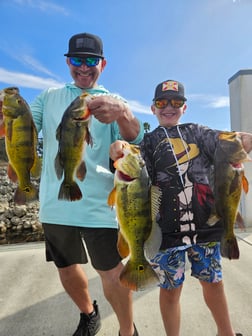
33,302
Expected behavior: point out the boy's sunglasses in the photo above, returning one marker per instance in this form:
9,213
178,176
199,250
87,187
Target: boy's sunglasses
162,103
88,61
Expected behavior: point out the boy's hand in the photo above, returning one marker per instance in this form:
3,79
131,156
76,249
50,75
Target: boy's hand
116,149
246,141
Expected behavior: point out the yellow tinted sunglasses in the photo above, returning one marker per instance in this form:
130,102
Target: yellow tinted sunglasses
163,102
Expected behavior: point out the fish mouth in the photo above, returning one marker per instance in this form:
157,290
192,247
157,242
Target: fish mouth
124,177
237,166
81,119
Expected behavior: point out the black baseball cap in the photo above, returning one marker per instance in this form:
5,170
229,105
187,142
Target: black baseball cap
170,89
85,44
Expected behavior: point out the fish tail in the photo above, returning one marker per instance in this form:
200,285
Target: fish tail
230,248
25,195
69,191
136,276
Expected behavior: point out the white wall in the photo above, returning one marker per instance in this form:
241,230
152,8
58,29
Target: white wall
240,92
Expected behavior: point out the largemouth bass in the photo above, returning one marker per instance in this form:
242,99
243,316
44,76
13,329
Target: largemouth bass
136,205
72,135
229,181
21,144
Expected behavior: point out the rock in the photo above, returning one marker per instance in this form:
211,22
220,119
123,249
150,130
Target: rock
18,224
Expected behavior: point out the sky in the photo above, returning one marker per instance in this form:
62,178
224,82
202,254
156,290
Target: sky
201,43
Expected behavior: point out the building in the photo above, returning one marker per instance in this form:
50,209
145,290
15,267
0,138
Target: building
240,93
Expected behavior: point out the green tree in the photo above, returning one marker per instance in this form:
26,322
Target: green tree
146,126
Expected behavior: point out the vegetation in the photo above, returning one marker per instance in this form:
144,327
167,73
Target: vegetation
146,127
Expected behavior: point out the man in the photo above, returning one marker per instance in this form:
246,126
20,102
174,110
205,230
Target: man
66,223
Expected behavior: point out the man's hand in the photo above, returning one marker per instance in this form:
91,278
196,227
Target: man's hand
106,108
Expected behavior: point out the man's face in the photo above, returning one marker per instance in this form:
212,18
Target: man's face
84,76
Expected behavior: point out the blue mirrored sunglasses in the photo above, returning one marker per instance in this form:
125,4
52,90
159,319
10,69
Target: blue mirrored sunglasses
88,61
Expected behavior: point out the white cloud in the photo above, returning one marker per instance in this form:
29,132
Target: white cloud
20,53
36,82
218,102
138,107
31,62
210,100
26,80
44,6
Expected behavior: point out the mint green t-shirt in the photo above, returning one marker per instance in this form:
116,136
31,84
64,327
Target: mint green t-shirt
92,210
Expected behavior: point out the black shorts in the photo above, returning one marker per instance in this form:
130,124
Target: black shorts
64,246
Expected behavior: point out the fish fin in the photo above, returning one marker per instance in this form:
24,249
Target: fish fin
58,166
213,219
11,173
230,248
81,171
36,168
58,132
9,130
152,244
112,197
122,246
2,130
245,184
88,138
69,192
240,222
25,195
156,196
136,276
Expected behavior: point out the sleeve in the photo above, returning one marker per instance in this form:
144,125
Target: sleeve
117,136
37,107
208,139
140,135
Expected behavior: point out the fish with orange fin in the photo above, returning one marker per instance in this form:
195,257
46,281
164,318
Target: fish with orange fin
21,144
229,181
136,203
72,135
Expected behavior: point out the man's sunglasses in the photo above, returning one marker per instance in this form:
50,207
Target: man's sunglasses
162,103
88,61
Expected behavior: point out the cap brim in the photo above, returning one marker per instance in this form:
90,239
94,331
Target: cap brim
171,95
81,54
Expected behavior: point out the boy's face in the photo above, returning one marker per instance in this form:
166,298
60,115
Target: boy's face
169,115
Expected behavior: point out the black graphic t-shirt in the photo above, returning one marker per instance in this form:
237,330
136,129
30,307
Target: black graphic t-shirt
179,160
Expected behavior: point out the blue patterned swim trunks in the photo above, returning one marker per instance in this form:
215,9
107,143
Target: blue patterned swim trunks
205,262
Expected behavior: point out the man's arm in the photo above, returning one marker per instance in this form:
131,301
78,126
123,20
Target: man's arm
108,109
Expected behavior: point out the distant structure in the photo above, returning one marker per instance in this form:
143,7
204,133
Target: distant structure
240,93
